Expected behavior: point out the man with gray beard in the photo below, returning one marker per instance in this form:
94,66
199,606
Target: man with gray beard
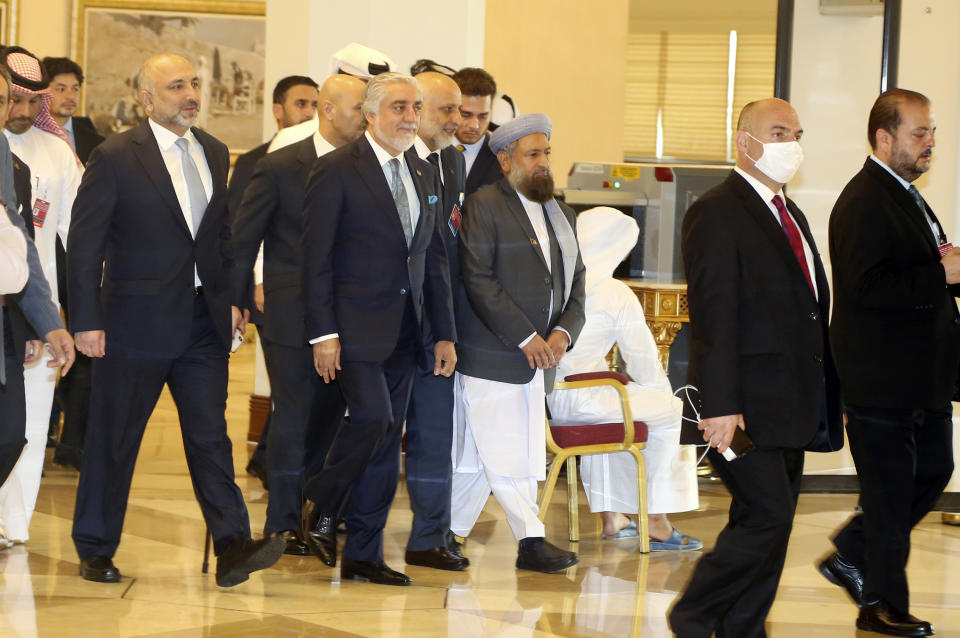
519,309
148,268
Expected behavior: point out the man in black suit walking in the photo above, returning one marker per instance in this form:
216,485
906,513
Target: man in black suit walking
896,337
149,271
374,265
478,89
759,302
295,100
305,412
430,416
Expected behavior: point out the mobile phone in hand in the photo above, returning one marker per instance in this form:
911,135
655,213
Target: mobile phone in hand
740,446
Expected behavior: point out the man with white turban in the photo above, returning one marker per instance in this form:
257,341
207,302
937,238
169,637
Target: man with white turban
519,309
615,316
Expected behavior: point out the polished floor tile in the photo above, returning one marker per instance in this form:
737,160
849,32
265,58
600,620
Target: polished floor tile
615,591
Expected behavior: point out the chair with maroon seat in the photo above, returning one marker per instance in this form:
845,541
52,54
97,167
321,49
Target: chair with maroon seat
567,442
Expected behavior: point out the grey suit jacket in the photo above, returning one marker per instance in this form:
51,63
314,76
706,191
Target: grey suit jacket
505,288
35,299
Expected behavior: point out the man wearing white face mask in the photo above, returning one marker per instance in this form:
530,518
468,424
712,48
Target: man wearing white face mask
760,357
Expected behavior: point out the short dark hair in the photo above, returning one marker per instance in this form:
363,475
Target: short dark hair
475,81
60,66
287,83
885,113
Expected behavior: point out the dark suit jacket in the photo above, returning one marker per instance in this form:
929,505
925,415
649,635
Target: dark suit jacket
454,187
506,288
485,169
358,272
895,328
86,137
272,212
758,335
242,173
128,229
239,180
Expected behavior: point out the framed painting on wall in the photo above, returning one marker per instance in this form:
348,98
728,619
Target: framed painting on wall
8,22
224,41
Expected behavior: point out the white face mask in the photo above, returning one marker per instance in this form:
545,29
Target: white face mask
780,160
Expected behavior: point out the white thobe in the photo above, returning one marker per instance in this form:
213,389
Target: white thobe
614,315
54,178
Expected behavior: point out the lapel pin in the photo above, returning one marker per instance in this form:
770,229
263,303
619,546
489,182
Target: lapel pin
418,172
533,241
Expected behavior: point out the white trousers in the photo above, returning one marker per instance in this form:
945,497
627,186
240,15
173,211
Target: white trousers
517,497
610,480
18,496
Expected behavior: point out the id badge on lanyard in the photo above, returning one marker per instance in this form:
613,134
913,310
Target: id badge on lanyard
40,206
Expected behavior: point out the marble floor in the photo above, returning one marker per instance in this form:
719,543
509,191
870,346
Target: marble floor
614,591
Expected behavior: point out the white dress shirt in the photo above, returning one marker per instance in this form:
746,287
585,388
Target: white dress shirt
172,158
13,256
934,228
767,196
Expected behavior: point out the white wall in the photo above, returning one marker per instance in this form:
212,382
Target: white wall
835,77
302,35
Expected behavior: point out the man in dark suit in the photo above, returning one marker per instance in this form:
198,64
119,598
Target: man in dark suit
478,90
429,429
73,392
759,302
149,268
374,266
896,336
519,309
305,412
66,78
294,101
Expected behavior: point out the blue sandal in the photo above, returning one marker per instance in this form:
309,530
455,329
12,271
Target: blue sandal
630,531
676,543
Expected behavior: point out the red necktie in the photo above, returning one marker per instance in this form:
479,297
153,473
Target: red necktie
793,236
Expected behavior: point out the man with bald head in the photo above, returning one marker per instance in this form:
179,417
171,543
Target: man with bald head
149,268
305,411
759,302
430,415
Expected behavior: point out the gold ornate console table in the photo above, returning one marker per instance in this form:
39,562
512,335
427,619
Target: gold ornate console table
665,308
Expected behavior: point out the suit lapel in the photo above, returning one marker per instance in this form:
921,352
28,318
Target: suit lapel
758,209
372,175
905,201
148,153
306,158
520,214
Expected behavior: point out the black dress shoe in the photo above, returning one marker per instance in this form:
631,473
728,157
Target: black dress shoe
319,532
294,544
437,558
454,547
537,555
841,573
375,572
68,456
258,470
99,569
245,555
879,618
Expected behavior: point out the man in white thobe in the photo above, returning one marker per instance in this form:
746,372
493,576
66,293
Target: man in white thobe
519,309
55,175
615,316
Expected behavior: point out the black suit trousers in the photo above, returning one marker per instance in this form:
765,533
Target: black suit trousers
13,415
125,390
363,462
304,416
733,587
904,459
429,467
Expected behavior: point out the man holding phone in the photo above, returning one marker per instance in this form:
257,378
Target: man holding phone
760,358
